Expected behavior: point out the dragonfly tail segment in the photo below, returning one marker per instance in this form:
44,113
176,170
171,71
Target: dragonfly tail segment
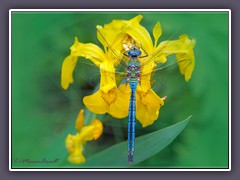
131,121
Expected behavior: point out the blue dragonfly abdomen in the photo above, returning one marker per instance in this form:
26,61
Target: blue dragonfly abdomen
131,121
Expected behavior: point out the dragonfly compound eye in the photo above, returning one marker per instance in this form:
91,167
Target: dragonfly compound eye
134,53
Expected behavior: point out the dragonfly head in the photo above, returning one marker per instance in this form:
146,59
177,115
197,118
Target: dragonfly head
134,51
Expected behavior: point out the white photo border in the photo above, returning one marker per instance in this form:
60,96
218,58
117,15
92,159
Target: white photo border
118,10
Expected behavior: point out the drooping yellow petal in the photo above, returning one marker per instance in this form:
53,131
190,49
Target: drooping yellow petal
107,81
186,64
190,43
80,121
68,66
74,147
77,157
165,49
100,101
96,103
119,108
145,79
157,32
183,48
186,61
98,129
92,131
147,107
70,143
89,51
183,45
115,102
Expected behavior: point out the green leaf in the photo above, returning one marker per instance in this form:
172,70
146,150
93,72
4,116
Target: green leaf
145,147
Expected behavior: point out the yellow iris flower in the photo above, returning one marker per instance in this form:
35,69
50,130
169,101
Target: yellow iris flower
74,143
148,103
115,100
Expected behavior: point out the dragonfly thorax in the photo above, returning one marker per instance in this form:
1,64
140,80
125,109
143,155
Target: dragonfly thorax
133,73
133,69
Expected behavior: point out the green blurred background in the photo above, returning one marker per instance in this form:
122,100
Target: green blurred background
43,113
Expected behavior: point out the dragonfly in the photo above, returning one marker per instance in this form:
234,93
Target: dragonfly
133,78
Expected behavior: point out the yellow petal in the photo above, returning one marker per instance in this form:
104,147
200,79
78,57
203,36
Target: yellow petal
89,51
167,48
80,120
157,32
92,131
138,33
145,78
183,48
74,147
108,81
70,143
107,93
68,66
119,108
183,45
98,128
96,103
109,32
136,19
114,102
170,47
111,37
147,107
190,43
186,61
77,157
115,53
187,66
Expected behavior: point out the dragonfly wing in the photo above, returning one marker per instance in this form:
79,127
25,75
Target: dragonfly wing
114,52
163,74
91,73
